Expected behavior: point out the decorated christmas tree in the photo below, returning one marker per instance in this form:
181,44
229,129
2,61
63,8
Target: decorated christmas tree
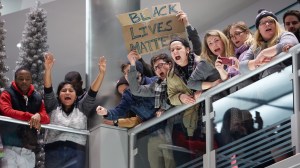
3,67
33,45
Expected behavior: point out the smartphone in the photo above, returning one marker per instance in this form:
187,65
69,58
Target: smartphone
226,61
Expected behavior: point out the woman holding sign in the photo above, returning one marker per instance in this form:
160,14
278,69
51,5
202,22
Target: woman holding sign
185,61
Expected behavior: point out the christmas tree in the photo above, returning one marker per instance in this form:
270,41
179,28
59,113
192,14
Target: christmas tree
33,45
3,67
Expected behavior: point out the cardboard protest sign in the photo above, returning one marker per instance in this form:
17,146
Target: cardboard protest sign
147,33
166,9
134,17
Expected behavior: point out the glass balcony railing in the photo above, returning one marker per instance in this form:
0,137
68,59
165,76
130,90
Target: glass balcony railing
251,126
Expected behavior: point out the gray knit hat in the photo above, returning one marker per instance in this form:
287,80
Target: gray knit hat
263,13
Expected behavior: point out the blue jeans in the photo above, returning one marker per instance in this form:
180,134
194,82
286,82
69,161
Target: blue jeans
64,155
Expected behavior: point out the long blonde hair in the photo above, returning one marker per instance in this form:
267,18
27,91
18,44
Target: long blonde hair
259,42
207,54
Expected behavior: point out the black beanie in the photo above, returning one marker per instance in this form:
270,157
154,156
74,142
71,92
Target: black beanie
263,13
122,81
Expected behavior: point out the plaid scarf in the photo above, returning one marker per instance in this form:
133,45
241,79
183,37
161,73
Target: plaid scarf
185,72
161,94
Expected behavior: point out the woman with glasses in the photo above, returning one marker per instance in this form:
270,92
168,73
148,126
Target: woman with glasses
240,38
269,40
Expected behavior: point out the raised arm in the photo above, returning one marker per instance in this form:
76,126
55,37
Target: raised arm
147,69
50,99
87,103
192,32
49,62
96,84
135,88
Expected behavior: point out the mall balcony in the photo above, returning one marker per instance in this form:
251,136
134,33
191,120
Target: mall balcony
275,143
80,31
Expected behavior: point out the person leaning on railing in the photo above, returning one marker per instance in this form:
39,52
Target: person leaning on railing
269,40
64,149
240,38
161,64
185,60
22,102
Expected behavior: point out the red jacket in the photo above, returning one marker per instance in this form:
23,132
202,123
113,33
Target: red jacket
6,108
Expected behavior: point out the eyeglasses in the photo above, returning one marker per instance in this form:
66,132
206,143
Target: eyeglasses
236,34
160,65
270,22
291,23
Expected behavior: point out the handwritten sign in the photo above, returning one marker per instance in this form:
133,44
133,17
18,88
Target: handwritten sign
166,9
149,31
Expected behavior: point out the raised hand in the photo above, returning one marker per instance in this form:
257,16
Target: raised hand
102,64
183,18
137,55
49,60
132,57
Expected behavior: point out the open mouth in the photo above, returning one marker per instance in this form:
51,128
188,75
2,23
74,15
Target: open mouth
237,42
177,57
269,29
217,50
67,98
162,74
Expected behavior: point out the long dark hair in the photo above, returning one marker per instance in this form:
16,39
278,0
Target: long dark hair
60,86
